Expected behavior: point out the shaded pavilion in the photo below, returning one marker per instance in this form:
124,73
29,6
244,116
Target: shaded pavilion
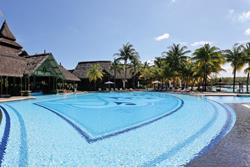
82,68
21,73
12,66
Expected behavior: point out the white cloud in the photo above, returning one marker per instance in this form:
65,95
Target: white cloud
239,17
201,43
247,32
242,42
162,37
173,1
150,62
244,16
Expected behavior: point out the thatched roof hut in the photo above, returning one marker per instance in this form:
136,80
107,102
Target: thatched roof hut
12,65
8,44
68,76
43,65
82,68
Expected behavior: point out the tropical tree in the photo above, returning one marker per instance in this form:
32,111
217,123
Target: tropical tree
146,74
247,70
161,70
187,72
136,64
126,54
197,75
175,57
116,67
237,58
208,59
94,73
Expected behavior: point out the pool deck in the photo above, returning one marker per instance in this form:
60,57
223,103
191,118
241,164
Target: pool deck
213,94
16,98
218,94
234,149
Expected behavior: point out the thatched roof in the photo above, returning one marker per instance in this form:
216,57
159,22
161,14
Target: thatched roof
82,68
15,62
34,61
37,63
6,33
7,38
68,76
12,65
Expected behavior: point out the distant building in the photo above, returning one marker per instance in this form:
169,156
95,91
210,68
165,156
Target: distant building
82,68
21,72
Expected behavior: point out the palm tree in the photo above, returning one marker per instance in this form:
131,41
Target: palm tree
146,74
94,73
126,53
187,72
135,62
237,58
116,67
209,59
247,70
175,57
161,70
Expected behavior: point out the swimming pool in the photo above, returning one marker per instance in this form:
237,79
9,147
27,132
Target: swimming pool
230,99
111,129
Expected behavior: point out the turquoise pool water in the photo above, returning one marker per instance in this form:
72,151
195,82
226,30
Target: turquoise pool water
230,99
111,129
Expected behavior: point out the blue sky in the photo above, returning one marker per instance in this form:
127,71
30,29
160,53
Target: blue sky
79,30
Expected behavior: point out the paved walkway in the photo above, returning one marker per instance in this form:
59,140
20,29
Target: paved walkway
234,149
16,98
212,94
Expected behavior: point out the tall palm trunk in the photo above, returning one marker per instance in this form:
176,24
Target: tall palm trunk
205,83
95,84
133,82
205,79
125,74
247,82
234,73
134,72
115,78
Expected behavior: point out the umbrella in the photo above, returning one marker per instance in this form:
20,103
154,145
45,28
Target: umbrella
109,83
156,82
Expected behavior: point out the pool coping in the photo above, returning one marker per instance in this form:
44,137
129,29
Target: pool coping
229,152
16,98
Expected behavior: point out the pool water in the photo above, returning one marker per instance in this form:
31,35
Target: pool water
230,99
103,115
111,129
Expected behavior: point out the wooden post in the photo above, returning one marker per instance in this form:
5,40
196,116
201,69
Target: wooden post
49,84
28,83
7,85
1,85
56,83
26,87
21,85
